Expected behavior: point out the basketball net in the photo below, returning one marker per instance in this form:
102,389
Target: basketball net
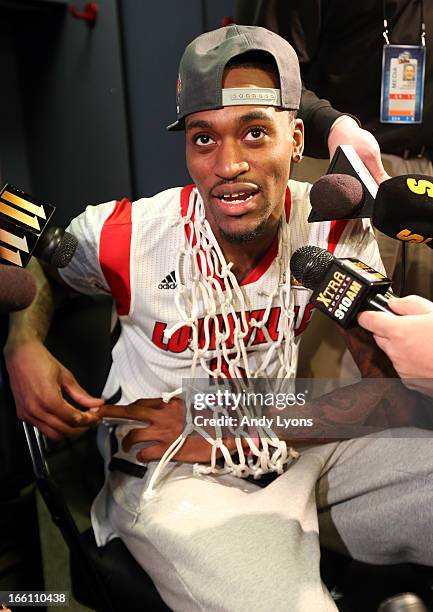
209,286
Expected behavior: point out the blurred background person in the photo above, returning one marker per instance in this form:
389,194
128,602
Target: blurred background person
340,47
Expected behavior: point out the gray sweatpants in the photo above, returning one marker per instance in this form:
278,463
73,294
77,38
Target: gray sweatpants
221,544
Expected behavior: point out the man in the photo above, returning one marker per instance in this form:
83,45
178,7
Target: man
409,72
201,280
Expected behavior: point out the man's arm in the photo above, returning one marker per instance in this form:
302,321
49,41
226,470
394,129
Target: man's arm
37,379
367,406
378,402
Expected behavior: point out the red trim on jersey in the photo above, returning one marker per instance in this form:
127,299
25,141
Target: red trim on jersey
337,228
114,254
263,264
184,198
288,204
185,194
256,273
272,252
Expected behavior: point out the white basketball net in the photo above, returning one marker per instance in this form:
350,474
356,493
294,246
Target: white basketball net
201,292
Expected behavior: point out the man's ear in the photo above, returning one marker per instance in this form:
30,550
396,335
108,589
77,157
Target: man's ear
298,140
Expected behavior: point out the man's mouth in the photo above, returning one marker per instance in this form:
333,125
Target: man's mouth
237,194
237,198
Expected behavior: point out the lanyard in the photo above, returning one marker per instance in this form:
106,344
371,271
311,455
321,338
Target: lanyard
422,23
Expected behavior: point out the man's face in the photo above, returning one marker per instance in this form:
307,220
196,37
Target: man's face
239,157
409,72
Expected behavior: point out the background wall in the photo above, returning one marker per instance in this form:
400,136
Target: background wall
67,88
83,111
83,108
154,36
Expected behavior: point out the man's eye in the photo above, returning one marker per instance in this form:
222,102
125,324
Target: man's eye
255,133
203,140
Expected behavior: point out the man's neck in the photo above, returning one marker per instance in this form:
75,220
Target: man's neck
245,256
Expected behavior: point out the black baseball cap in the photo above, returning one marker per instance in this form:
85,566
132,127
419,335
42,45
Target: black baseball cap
201,70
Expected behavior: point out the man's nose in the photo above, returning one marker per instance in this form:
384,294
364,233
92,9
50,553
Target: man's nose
230,161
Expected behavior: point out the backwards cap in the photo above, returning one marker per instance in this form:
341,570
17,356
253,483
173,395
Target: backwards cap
201,70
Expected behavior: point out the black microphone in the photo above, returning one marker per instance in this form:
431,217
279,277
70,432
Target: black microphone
341,287
25,230
17,289
404,209
350,195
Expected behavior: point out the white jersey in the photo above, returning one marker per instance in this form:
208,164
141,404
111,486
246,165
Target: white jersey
132,252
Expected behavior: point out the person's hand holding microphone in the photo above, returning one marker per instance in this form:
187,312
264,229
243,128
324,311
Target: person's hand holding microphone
407,340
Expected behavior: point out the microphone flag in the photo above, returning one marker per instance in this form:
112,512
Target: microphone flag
22,222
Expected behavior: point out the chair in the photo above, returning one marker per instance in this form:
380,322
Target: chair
106,579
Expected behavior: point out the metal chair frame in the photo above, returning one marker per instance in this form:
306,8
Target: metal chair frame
85,567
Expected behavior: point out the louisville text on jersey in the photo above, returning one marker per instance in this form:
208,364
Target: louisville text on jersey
180,340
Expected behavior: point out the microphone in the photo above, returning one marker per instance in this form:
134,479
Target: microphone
341,287
347,199
25,230
17,289
404,209
336,196
56,247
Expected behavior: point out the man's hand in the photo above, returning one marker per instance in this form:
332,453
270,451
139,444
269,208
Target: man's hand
164,424
407,340
346,131
38,380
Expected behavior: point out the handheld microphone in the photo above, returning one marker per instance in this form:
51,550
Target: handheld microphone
354,204
17,289
336,196
25,230
341,287
404,209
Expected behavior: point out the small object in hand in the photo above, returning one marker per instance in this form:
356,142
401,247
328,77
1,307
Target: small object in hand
109,421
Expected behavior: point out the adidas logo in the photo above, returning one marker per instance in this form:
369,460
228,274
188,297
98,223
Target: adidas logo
169,282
